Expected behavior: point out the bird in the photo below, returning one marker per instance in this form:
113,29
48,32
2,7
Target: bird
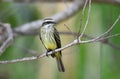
51,40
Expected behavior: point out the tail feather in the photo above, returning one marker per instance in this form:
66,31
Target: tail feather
60,65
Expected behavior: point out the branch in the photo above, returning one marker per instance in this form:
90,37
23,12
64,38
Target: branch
75,42
8,32
37,57
77,4
68,12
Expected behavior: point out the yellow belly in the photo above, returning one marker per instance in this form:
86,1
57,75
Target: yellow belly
48,39
50,45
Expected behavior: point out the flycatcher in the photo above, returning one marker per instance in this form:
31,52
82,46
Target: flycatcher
51,40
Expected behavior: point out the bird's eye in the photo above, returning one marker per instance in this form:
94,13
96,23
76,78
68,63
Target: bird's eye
45,23
48,22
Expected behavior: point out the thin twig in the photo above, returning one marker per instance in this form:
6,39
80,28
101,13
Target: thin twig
110,36
19,60
69,29
111,28
83,12
114,46
86,20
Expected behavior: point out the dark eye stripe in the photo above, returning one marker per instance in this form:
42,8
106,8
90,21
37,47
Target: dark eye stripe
49,22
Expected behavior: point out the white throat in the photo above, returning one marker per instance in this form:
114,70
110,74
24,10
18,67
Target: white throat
49,26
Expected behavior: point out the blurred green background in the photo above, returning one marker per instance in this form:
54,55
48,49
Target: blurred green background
86,61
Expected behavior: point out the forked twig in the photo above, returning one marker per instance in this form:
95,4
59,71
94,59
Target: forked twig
109,30
9,39
86,21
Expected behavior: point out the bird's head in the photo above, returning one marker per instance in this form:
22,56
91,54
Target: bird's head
48,22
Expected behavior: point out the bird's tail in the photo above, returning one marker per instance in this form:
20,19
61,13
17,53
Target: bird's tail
60,64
